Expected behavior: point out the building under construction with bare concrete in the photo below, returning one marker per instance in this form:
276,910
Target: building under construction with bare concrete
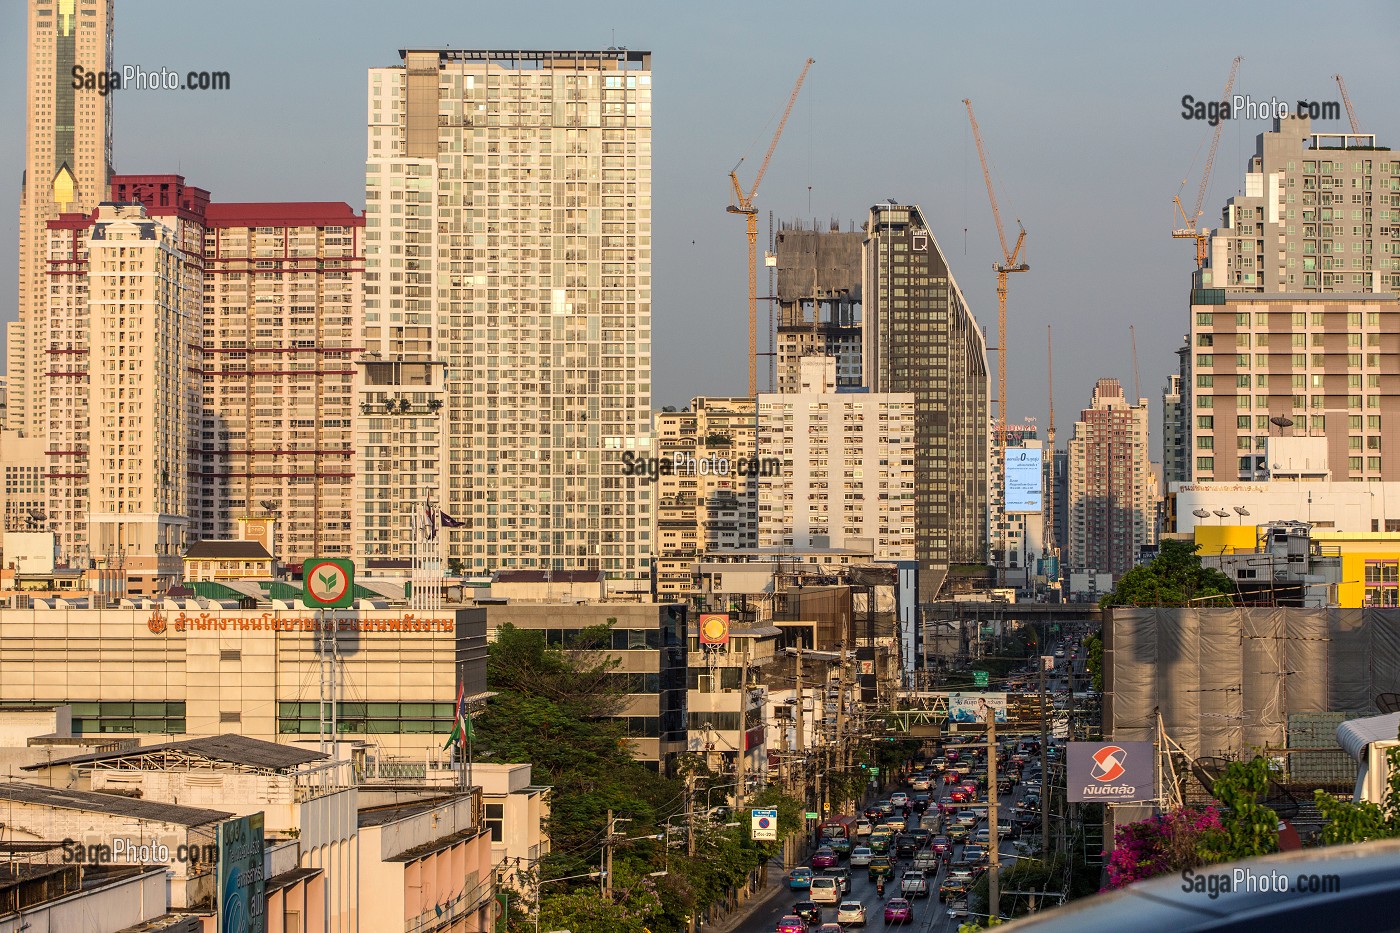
819,301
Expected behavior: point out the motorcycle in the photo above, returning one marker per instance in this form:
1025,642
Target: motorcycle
880,885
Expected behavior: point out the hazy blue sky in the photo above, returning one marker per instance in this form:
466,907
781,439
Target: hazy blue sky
1079,107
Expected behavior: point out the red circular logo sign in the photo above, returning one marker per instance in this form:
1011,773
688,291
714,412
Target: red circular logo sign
1108,764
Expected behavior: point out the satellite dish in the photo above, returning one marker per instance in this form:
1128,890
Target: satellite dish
1241,510
1222,513
269,505
1281,421
1201,513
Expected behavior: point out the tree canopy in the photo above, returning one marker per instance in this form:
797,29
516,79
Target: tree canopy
1174,577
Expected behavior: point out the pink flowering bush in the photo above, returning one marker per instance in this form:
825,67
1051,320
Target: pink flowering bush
1158,845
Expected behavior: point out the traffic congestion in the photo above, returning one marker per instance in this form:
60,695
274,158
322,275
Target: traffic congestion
912,855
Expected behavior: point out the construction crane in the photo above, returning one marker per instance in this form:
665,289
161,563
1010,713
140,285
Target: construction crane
1189,231
1137,386
1052,548
1010,263
1346,101
743,204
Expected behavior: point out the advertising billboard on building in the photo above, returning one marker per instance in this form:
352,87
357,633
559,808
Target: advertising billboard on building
1111,772
240,892
972,707
1023,479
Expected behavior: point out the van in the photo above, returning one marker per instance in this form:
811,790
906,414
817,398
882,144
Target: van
825,890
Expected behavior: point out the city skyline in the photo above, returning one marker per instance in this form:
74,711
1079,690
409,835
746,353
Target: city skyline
1124,100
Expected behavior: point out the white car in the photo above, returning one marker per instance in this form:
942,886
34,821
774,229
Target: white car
851,914
864,827
860,856
920,783
825,890
899,798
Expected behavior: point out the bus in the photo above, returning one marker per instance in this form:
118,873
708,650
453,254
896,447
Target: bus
839,832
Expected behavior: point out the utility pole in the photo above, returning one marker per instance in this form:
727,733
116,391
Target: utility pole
842,747
994,835
690,809
801,745
606,860
1044,773
741,764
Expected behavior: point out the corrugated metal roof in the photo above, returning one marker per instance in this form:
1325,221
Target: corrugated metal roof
236,749
1355,735
111,804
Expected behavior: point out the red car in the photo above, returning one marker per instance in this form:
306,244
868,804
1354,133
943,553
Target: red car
791,924
970,786
960,796
951,777
824,857
941,845
898,910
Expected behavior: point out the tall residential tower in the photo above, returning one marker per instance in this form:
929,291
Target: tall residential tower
507,329
1113,489
67,159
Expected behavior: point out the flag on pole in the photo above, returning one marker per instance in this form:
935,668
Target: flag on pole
429,521
462,732
448,521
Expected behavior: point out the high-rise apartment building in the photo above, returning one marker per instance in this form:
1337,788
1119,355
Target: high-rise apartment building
67,159
1174,466
281,325
507,327
24,468
705,492
144,291
847,467
1113,488
276,310
1293,320
819,314
920,337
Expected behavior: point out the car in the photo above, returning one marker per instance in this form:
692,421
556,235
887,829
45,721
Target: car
926,861
976,855
914,884
886,807
842,875
800,879
864,827
922,834
851,914
941,845
873,812
899,798
932,822
966,818
808,911
791,923
940,763
860,856
880,866
899,910
922,800
958,908
960,796
825,890
920,782
895,824
957,833
880,843
829,928
825,857
951,777
907,846
982,837
953,886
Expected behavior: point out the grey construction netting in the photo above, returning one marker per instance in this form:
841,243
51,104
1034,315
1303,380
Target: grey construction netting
1226,680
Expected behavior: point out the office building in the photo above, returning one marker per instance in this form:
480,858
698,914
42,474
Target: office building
24,500
920,337
818,282
202,669
706,494
648,644
1113,488
281,320
67,159
1293,317
507,329
846,471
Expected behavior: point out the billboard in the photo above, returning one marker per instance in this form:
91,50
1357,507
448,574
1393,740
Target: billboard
714,628
1023,479
765,825
972,707
240,893
1111,772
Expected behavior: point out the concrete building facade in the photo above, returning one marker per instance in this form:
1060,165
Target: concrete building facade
67,159
920,337
847,466
708,498
819,302
1113,489
507,327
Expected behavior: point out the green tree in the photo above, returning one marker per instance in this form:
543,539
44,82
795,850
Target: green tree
1248,828
1174,577
1093,659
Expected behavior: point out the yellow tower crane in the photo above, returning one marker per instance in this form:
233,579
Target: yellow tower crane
1189,231
1346,99
1011,262
743,204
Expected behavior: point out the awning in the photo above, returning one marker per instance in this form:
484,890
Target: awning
1355,734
